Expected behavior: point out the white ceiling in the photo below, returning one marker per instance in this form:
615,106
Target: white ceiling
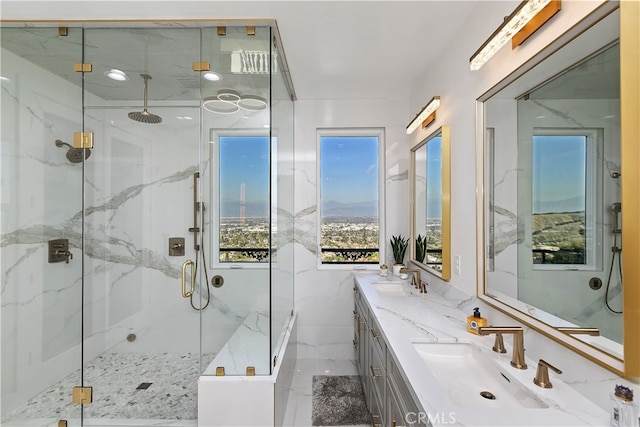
363,49
335,49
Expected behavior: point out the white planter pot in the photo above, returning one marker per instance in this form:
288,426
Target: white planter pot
396,269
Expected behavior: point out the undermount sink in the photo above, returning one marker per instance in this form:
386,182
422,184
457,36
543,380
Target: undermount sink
390,289
471,379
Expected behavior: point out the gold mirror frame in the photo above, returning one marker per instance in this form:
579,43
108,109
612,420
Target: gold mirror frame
629,366
444,272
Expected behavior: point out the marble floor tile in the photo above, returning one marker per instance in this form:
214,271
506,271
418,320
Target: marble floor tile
115,379
298,412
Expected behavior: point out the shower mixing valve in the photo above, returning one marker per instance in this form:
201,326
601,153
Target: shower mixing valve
59,251
176,246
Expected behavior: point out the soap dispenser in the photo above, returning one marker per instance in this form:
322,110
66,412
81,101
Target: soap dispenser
475,321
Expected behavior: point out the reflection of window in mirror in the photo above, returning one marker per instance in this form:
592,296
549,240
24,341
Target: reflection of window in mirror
564,195
430,214
433,220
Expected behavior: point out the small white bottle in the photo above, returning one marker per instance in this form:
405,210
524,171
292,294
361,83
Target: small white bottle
624,411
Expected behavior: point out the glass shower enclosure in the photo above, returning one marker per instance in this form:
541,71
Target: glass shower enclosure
147,216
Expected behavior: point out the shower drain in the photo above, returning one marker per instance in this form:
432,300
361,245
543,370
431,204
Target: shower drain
488,395
143,386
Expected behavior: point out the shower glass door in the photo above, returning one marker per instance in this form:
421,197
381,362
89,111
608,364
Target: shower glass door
41,250
142,102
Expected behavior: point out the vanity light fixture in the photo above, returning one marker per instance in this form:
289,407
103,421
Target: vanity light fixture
425,116
115,74
511,27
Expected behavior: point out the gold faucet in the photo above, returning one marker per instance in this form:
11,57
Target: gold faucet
416,281
542,374
584,331
517,360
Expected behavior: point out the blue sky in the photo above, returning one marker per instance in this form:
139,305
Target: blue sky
434,178
561,175
244,160
349,169
349,172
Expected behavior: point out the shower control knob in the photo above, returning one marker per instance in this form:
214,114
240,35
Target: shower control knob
65,254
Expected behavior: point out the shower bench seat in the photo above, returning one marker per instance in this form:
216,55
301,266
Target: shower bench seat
248,346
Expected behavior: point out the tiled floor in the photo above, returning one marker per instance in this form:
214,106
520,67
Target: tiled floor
298,413
169,401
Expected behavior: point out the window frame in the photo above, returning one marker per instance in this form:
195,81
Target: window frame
353,132
214,216
594,156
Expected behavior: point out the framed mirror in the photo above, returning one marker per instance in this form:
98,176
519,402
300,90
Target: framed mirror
431,204
551,195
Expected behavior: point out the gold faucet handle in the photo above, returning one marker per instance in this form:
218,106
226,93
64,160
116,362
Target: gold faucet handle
498,345
542,374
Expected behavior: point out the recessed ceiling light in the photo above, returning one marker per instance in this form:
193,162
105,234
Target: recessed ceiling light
116,74
184,118
212,76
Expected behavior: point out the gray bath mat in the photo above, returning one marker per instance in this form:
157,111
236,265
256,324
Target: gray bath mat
338,400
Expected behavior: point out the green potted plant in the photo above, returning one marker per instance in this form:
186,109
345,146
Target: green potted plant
399,245
421,248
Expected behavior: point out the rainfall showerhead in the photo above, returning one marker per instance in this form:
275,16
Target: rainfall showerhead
144,116
74,155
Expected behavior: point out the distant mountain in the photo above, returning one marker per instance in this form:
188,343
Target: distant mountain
231,209
331,208
572,204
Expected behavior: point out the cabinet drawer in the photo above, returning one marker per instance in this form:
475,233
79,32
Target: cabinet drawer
375,411
377,340
378,374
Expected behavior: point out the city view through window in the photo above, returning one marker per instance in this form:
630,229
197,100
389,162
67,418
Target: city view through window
559,199
349,229
244,198
349,199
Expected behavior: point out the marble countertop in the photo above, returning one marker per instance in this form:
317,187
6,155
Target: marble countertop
435,318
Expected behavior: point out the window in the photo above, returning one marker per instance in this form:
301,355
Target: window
350,196
240,187
565,192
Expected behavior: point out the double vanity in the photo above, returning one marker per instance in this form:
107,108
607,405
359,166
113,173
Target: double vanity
419,366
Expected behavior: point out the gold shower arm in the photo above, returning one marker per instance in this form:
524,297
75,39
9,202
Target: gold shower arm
185,293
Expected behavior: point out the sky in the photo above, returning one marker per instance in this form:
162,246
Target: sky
349,169
561,176
434,178
244,160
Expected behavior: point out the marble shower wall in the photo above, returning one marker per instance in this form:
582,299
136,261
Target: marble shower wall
324,296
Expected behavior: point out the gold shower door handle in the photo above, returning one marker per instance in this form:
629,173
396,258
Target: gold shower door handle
185,264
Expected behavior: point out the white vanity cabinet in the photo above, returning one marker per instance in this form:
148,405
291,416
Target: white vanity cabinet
389,399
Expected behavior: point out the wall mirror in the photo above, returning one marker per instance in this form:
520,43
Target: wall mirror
551,194
430,210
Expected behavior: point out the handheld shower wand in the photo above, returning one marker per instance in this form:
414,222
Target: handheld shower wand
616,209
